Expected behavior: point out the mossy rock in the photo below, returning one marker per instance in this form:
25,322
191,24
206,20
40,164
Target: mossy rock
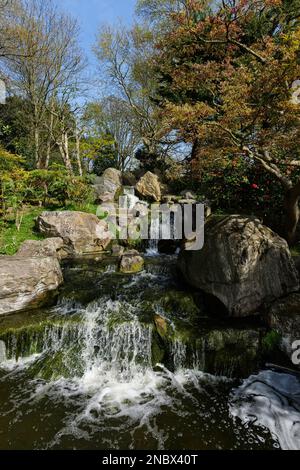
23,339
65,363
179,303
131,264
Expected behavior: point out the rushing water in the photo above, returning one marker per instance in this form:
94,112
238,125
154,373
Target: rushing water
85,376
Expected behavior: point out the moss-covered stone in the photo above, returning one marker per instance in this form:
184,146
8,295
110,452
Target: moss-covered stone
131,263
271,341
179,303
29,334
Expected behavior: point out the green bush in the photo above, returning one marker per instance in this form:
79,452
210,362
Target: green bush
50,187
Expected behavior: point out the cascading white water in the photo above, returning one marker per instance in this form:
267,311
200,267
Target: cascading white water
132,199
154,235
95,365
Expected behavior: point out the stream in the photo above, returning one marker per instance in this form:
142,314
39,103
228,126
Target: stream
97,372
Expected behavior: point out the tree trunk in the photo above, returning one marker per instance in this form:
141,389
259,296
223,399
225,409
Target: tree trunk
64,150
78,154
49,140
37,147
195,149
292,213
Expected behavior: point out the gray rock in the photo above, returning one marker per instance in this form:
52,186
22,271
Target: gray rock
117,250
243,264
107,185
82,233
131,262
149,186
43,248
187,194
27,283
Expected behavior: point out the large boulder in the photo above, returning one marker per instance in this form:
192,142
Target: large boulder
243,264
149,187
107,186
81,232
27,283
43,248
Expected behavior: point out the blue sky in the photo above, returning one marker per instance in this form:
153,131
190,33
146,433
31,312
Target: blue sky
92,13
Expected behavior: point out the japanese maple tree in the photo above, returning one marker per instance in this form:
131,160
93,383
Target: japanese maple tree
228,84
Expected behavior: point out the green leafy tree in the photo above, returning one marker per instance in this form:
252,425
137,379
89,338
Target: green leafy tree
226,85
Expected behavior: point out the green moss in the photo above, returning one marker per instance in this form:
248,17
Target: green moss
180,303
64,363
134,268
270,342
22,339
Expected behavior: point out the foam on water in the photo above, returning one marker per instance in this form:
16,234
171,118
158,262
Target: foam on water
112,384
271,399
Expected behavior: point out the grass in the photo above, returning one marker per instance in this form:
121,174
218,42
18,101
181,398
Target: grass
11,238
90,208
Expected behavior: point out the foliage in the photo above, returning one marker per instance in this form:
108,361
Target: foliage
112,123
241,186
56,185
37,187
270,342
226,75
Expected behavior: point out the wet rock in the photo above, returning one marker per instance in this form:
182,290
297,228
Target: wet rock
232,352
243,264
82,233
177,302
43,248
161,324
284,318
131,262
117,250
149,186
107,185
27,283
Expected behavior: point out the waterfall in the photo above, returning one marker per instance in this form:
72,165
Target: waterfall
179,350
132,199
114,381
154,235
2,351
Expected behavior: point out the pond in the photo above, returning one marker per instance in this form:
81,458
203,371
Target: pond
132,362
